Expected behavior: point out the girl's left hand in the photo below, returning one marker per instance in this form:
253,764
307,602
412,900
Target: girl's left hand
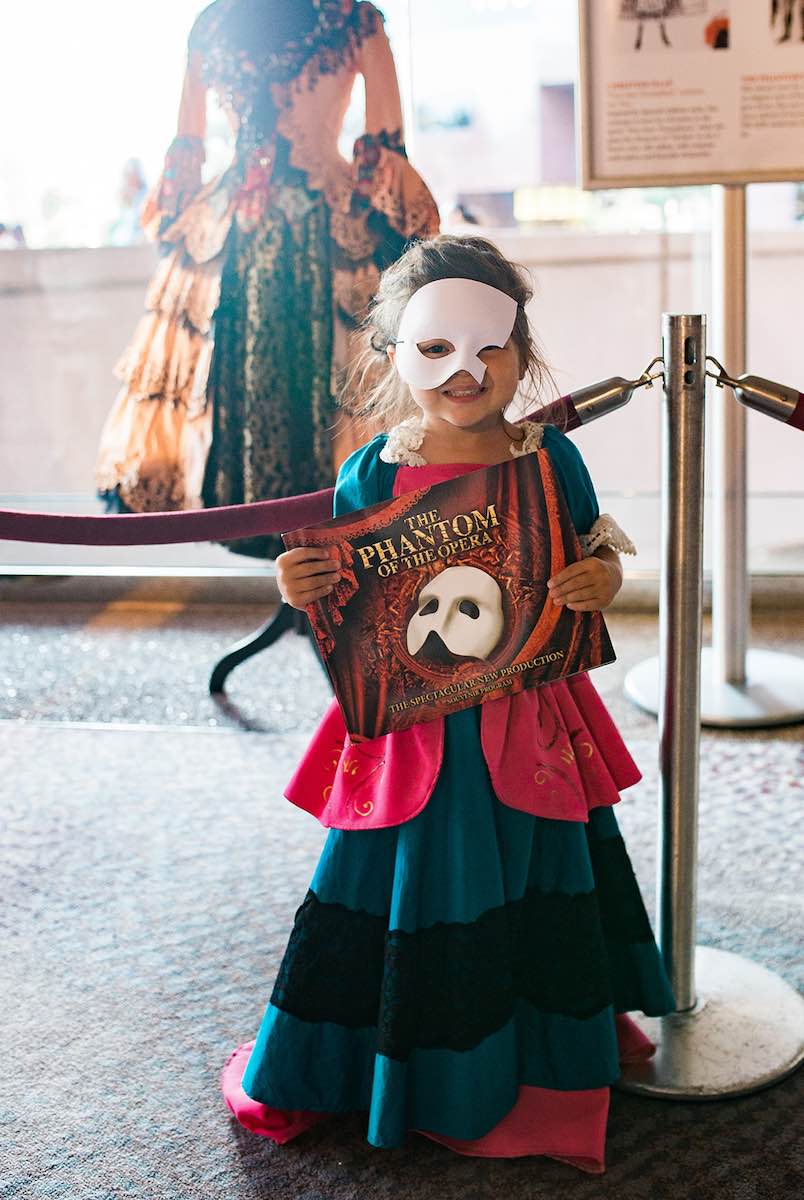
587,585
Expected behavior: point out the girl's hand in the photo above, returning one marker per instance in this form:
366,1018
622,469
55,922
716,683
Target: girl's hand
306,573
590,584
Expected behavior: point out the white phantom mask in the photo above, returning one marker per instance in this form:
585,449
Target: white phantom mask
467,314
463,607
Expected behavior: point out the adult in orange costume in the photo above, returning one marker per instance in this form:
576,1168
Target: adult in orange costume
228,386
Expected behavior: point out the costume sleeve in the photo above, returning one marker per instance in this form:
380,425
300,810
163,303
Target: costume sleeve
383,176
593,529
364,478
573,476
376,63
181,175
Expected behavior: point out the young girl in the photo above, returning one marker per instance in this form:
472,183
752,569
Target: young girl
473,934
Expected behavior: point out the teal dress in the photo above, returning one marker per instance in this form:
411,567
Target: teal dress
438,966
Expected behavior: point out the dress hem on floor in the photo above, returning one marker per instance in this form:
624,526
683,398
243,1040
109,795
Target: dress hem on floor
569,1126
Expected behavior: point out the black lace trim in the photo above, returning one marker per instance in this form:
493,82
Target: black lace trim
366,151
451,985
622,910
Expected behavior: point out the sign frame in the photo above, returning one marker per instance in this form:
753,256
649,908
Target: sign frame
592,179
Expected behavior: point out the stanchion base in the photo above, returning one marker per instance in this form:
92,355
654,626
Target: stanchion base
745,1033
773,693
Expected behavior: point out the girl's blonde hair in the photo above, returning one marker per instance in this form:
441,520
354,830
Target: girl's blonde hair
374,393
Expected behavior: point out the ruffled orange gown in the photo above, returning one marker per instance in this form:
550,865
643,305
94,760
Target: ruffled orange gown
264,268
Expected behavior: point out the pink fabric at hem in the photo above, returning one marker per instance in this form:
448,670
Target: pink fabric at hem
278,1124
567,1126
570,1126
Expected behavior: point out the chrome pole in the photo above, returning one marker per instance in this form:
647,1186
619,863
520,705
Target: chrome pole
680,608
740,687
738,1027
731,605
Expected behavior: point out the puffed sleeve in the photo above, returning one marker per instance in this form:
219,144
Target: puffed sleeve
364,478
592,528
181,176
384,177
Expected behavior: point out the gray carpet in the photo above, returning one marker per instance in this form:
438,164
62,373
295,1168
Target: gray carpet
131,662
149,879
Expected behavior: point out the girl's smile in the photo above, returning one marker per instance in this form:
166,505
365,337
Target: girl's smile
462,388
462,402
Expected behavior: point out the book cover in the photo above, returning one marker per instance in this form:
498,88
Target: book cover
443,601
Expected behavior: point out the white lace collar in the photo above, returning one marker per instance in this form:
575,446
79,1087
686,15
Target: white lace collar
404,441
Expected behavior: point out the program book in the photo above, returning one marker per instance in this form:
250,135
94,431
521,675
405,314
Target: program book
443,601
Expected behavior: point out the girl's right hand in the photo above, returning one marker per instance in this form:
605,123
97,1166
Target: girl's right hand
306,573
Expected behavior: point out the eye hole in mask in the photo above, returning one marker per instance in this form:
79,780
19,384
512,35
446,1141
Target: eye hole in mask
446,326
435,350
460,615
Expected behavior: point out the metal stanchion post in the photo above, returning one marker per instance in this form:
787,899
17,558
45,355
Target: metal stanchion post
740,687
731,601
738,1027
680,606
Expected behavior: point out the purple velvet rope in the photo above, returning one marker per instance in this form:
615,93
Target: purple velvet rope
208,524
797,419
157,529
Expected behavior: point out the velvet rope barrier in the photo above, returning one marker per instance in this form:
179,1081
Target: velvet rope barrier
158,529
767,396
224,524
797,419
775,400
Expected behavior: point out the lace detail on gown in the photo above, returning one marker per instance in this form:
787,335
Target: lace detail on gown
289,216
534,436
350,969
403,443
405,439
606,532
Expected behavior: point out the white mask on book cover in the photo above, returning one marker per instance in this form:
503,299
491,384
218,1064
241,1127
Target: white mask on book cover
463,314
460,610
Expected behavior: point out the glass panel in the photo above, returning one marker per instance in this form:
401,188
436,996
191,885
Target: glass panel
96,88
